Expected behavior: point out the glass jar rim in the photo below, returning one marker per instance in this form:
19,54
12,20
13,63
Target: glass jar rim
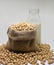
34,10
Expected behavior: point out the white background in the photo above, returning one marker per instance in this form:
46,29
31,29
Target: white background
12,11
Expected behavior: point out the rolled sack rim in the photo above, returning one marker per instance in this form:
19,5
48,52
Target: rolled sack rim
20,38
21,34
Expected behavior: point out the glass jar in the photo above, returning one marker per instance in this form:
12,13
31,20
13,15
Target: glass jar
34,18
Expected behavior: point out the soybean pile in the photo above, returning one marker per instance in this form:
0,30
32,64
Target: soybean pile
8,57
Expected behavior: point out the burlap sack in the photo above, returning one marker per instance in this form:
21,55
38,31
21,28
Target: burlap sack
21,40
